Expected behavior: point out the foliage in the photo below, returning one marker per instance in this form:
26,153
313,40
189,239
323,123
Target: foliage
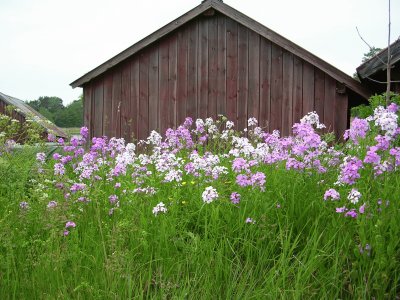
371,53
53,109
12,131
209,212
363,111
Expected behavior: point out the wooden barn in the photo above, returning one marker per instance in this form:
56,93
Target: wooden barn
214,60
22,111
372,73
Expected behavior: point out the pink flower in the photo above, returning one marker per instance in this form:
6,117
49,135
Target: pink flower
70,224
235,198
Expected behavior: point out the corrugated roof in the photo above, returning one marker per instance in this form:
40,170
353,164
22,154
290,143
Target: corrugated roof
26,110
240,18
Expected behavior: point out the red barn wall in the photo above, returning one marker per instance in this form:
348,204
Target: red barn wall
212,65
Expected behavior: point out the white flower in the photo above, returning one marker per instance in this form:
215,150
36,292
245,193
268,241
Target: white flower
209,195
354,196
252,122
154,138
229,124
312,118
159,208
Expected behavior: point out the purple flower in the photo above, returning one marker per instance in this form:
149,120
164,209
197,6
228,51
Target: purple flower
60,141
332,194
352,213
70,224
77,187
349,170
51,137
113,199
340,210
235,198
258,179
240,164
56,156
362,209
66,232
358,129
41,157
242,180
59,169
393,107
84,132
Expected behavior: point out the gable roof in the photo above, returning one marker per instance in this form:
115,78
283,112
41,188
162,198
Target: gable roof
243,20
378,62
26,110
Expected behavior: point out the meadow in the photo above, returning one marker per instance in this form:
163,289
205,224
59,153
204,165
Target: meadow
210,211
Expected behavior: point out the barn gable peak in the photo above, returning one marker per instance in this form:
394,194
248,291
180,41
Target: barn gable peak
240,18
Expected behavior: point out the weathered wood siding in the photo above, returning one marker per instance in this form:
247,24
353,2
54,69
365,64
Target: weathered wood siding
212,65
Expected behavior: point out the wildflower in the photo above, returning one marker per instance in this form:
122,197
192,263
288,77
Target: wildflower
312,118
52,204
84,132
51,137
340,210
250,220
386,120
24,205
354,196
393,107
113,199
258,179
59,169
235,198
117,185
159,208
41,157
229,124
70,224
361,210
332,194
56,156
352,213
210,194
66,232
252,122
358,129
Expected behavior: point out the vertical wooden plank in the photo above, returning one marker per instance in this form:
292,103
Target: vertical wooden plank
231,69
329,103
125,97
108,87
116,104
172,76
153,89
87,102
134,99
212,66
191,101
287,101
144,95
308,88
98,108
253,108
297,89
341,112
163,85
319,93
182,76
265,84
276,90
203,69
243,77
221,66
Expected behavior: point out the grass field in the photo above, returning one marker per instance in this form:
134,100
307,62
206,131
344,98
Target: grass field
206,213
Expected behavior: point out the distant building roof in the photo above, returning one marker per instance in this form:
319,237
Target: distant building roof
378,62
25,110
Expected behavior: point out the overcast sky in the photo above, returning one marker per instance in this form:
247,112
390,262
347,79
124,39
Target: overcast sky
47,44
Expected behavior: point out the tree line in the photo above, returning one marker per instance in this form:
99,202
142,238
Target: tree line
63,116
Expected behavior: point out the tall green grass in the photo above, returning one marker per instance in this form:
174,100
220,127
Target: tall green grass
298,247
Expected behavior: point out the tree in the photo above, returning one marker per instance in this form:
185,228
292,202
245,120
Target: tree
371,53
